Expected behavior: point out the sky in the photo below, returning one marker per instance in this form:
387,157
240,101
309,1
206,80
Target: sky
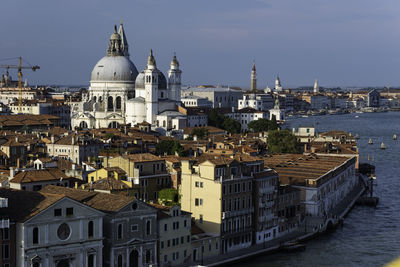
340,42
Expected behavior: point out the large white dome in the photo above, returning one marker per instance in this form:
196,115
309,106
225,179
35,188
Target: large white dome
114,68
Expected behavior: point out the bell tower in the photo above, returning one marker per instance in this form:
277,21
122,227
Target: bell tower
151,89
174,81
253,78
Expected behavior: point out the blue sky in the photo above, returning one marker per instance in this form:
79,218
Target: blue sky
340,43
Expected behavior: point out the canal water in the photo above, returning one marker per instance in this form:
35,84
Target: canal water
369,236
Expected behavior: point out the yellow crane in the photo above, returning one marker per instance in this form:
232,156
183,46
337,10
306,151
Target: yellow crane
19,67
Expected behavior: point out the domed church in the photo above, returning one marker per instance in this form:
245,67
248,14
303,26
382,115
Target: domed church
118,94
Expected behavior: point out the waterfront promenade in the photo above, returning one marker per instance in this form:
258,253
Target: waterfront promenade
309,228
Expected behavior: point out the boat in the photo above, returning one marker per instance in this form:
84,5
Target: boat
383,146
370,141
357,116
394,137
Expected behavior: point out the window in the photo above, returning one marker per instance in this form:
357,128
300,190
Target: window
184,223
162,244
148,256
35,235
70,211
165,227
90,229
182,239
119,232
91,260
201,202
196,184
5,235
148,228
188,239
165,258
168,243
201,184
6,251
119,260
196,202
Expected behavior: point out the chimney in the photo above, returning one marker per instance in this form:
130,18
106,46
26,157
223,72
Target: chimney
18,163
17,139
52,139
76,185
12,172
73,140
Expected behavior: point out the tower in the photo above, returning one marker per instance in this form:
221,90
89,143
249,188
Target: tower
151,89
278,86
114,47
124,41
253,78
174,81
316,87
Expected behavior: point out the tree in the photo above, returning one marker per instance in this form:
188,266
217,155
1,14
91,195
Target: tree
169,196
282,142
273,125
200,132
169,147
231,126
215,119
260,125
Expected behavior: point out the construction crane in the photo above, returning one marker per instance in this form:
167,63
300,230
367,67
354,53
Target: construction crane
19,67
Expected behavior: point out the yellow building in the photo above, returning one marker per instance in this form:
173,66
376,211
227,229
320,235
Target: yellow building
146,173
108,172
218,191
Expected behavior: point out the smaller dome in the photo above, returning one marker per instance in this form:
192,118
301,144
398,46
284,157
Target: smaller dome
115,36
162,81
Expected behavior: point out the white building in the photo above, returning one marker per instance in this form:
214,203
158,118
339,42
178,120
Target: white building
118,94
278,86
277,112
221,97
196,101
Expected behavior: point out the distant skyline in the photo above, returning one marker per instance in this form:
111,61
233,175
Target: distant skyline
340,43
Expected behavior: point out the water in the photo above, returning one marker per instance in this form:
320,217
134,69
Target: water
369,237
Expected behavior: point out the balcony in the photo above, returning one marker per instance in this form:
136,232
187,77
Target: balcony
228,214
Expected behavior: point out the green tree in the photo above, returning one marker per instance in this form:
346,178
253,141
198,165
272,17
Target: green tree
169,147
215,119
260,125
282,142
200,132
169,196
231,126
273,125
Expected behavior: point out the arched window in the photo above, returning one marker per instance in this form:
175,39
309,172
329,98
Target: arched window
90,229
118,104
148,228
113,124
119,261
83,125
35,235
94,98
110,103
119,234
162,94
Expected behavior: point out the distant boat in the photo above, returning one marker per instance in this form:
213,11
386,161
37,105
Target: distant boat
383,146
394,137
370,141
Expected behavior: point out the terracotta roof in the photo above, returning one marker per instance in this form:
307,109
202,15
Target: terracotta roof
100,201
23,205
142,157
39,175
107,184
